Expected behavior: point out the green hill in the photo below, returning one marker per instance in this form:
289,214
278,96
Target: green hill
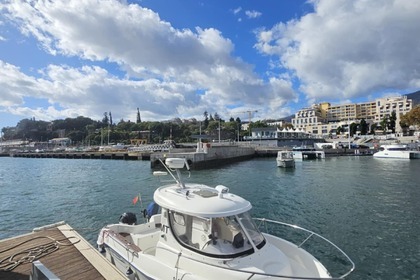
415,96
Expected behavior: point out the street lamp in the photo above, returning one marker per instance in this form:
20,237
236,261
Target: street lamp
219,130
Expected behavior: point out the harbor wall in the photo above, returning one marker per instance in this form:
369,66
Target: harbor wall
209,156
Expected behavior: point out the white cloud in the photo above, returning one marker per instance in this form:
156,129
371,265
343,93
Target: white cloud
237,10
347,49
163,67
15,85
253,14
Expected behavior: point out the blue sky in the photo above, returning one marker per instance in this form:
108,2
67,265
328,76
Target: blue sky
179,58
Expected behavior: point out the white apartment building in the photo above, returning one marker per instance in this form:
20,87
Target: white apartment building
399,105
323,118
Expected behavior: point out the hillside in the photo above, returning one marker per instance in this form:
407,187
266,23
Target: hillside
415,96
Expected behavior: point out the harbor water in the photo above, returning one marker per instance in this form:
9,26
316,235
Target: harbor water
368,207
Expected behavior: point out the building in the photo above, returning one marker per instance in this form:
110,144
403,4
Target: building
385,106
324,119
60,142
281,137
309,117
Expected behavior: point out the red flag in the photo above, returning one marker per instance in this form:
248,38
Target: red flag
135,199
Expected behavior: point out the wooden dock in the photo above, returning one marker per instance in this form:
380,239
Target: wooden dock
60,249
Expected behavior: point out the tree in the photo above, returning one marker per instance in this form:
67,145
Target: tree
110,119
258,124
138,116
412,117
373,128
363,127
216,116
105,120
353,128
206,120
384,123
392,121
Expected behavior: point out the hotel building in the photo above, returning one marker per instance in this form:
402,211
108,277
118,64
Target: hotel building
324,119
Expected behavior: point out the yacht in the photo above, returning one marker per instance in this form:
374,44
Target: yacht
396,151
194,231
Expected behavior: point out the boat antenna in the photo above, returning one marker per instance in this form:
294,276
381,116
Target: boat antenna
178,173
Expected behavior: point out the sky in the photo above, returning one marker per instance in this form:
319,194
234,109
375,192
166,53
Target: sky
181,58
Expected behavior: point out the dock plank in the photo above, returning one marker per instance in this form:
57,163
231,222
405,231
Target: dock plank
67,262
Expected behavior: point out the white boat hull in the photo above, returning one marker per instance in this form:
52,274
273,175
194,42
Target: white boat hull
171,264
398,154
286,163
202,233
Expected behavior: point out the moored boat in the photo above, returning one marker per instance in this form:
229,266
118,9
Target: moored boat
305,152
203,232
400,151
285,159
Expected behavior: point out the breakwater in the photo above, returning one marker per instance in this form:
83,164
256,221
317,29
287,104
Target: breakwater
206,156
85,155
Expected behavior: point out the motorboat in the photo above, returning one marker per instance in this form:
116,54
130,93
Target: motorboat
400,151
285,159
194,231
306,152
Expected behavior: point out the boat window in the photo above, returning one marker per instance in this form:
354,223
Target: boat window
179,219
178,227
190,231
217,237
251,228
397,149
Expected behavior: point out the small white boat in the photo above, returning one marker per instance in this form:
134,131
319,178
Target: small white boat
400,151
203,232
285,159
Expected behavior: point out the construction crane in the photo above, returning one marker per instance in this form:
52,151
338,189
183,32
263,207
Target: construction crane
249,117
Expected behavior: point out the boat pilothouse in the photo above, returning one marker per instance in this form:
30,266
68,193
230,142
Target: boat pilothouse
205,232
214,234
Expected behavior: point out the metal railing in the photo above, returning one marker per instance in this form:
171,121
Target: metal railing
308,235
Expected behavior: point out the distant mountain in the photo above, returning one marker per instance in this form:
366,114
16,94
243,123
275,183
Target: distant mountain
289,118
415,96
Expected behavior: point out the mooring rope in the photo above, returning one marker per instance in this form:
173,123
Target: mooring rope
44,229
32,254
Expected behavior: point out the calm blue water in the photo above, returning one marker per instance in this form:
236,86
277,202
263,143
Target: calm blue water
369,207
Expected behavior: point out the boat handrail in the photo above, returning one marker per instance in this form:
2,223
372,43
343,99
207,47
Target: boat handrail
311,234
252,273
256,273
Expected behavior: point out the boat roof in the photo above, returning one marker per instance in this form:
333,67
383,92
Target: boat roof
394,145
201,200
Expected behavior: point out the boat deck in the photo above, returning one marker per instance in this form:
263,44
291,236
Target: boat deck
75,258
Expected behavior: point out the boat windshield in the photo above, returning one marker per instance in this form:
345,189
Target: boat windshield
222,237
251,228
397,149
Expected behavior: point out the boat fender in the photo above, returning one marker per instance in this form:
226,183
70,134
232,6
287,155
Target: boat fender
152,209
128,218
